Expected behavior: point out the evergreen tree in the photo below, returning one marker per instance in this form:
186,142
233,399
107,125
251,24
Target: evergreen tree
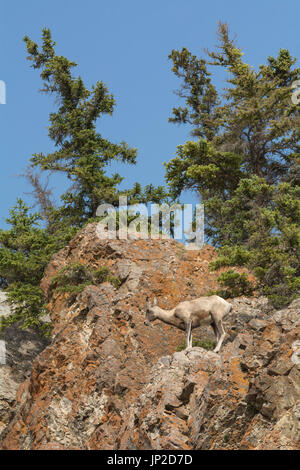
82,154
246,161
25,250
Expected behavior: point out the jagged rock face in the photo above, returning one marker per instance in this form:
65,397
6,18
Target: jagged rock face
247,397
18,350
83,384
107,381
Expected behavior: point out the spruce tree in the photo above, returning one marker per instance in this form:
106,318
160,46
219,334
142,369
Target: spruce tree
25,250
82,154
245,163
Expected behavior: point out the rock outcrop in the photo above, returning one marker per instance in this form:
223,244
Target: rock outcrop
18,348
107,381
247,397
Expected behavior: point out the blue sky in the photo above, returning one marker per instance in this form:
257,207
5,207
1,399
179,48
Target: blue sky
125,44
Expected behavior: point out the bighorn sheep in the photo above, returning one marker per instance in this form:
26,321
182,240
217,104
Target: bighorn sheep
191,314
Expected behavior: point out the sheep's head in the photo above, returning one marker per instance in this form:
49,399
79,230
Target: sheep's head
150,312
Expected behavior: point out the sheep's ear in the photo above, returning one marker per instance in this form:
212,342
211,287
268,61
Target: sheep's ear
154,301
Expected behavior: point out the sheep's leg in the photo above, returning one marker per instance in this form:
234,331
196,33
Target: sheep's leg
216,331
222,335
191,341
188,335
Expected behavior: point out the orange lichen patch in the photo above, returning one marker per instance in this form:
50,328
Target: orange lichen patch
272,333
237,377
108,381
52,446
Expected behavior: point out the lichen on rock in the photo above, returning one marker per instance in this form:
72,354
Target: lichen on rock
107,381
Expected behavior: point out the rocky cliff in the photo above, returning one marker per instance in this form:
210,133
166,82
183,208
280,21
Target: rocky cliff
107,381
247,397
18,349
